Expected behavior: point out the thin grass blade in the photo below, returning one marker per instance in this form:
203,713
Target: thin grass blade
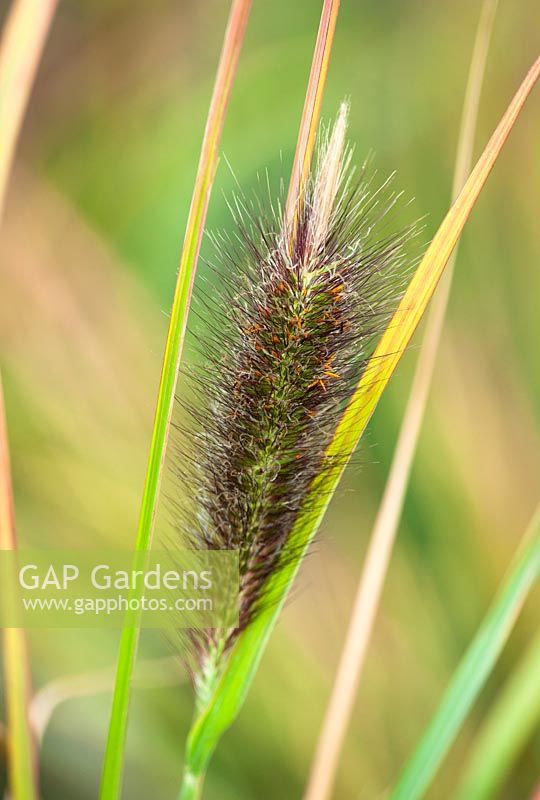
246,654
474,669
504,734
22,759
114,752
344,690
23,39
312,110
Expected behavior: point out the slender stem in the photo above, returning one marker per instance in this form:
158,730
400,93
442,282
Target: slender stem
195,769
22,757
345,688
192,785
114,752
8,538
23,38
311,113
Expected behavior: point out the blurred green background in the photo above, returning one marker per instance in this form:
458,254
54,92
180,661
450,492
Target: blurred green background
89,251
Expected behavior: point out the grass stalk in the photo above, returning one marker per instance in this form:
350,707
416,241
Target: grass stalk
505,732
114,751
345,688
233,684
21,46
311,113
21,750
23,39
473,670
192,785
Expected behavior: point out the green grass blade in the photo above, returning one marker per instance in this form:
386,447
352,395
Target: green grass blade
473,670
504,734
245,656
22,760
114,752
348,675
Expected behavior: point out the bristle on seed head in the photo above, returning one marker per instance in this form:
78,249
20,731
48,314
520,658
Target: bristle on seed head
327,181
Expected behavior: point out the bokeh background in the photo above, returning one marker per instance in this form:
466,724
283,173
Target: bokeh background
89,250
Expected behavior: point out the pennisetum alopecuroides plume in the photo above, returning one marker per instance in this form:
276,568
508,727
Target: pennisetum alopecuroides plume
294,324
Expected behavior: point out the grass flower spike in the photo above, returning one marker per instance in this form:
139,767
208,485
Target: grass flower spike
296,322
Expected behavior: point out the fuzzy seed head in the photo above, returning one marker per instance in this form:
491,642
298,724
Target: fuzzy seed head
292,331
